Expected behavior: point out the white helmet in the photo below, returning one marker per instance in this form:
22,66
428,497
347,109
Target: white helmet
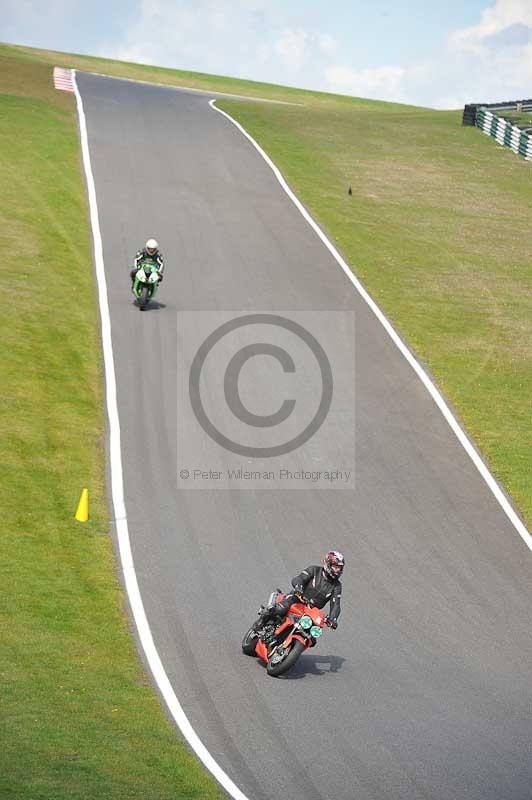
152,246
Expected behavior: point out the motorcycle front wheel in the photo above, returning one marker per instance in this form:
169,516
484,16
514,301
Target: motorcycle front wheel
249,642
144,297
282,660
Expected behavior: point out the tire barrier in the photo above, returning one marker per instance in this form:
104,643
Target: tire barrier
470,114
506,134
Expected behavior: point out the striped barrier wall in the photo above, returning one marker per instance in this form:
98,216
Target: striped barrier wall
63,79
506,134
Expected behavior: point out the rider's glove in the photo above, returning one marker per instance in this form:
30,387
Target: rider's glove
332,623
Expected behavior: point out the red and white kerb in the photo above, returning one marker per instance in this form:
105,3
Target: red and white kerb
63,79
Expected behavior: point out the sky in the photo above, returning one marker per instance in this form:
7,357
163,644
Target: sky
436,54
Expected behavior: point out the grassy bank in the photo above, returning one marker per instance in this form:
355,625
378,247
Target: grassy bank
79,718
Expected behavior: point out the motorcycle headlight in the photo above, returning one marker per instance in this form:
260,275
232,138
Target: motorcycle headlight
315,631
305,622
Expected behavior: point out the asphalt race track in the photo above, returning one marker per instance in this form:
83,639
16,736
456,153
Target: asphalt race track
424,691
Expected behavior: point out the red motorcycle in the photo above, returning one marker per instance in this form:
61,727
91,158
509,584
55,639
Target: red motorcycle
300,629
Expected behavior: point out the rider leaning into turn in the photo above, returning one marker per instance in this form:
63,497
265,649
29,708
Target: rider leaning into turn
319,585
151,253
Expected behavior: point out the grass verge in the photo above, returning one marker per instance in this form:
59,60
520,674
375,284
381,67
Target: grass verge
79,718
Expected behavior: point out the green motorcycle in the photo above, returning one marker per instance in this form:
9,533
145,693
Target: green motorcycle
145,283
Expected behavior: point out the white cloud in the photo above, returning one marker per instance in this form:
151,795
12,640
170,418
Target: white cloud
34,23
244,38
327,43
383,83
200,35
486,62
493,20
494,57
298,47
292,47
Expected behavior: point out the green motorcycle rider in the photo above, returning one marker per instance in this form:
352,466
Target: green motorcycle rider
151,254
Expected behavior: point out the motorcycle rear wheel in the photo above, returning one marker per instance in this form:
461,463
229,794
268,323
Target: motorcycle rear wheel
249,642
282,665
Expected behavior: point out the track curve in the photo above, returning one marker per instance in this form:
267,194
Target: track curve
424,690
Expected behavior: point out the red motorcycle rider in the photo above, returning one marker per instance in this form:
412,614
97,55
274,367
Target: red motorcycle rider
319,585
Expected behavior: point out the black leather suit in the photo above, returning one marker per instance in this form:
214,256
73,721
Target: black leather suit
316,587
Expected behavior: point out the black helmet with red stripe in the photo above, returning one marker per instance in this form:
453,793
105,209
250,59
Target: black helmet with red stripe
333,564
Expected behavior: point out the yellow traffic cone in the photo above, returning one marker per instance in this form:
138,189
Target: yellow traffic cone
82,513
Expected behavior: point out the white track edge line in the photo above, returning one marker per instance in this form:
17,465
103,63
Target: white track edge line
117,486
416,366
